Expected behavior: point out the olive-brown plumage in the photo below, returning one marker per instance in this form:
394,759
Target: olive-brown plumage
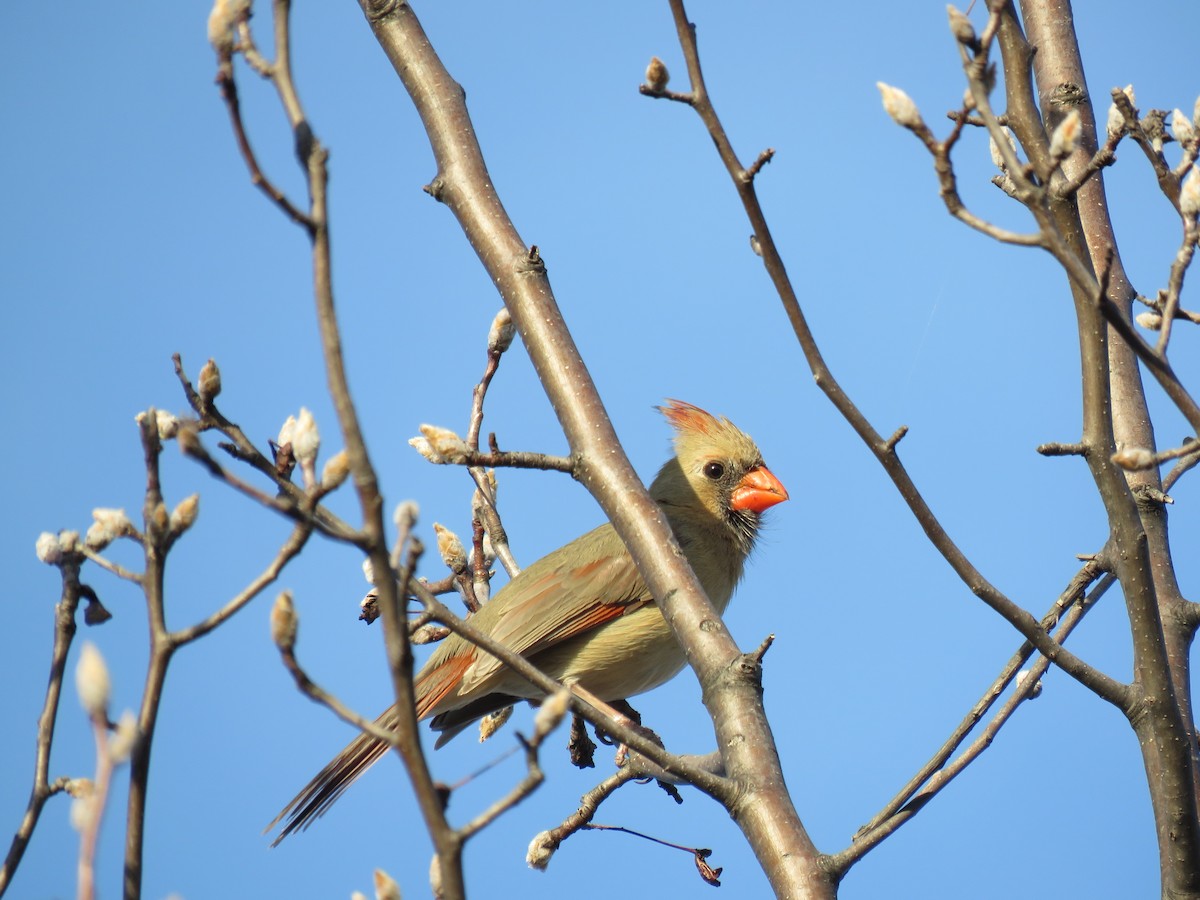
583,614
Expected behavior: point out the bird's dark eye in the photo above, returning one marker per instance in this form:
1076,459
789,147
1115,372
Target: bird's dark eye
714,470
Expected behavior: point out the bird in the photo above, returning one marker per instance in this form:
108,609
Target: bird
583,614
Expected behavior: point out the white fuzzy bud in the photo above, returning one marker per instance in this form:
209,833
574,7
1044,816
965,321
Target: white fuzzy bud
450,548
406,514
657,75
502,332
69,541
1150,320
167,424
48,548
306,439
425,448
336,469
994,148
446,445
960,27
899,106
92,682
1128,92
184,515
385,886
284,621
82,811
222,20
1189,194
1181,127
1116,121
368,570
286,431
541,848
1037,688
489,552
551,713
120,746
1066,135
1134,459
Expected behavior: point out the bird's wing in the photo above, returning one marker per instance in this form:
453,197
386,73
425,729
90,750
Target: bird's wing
558,597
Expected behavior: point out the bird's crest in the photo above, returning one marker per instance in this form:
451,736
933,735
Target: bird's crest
684,417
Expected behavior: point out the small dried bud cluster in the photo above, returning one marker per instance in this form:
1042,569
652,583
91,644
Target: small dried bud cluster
167,424
1134,459
54,549
440,445
92,681
900,106
209,383
493,722
450,548
109,525
284,621
502,332
657,75
1066,135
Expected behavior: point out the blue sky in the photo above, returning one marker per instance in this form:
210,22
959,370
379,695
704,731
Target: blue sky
131,232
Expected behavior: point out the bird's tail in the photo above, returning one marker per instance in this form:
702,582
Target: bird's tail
328,784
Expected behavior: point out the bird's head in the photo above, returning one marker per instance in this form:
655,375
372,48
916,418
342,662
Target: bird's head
717,472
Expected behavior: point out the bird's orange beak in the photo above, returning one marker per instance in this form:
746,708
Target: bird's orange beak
758,490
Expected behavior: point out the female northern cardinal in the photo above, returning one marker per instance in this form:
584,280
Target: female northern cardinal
582,614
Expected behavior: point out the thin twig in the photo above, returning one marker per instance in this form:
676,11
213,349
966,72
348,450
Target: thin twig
42,789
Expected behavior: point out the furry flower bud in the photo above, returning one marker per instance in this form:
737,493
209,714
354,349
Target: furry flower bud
284,621
209,383
48,549
541,848
92,681
899,106
657,75
1134,459
385,886
447,446
1066,135
336,469
1181,127
184,515
1189,194
502,332
450,548
961,27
